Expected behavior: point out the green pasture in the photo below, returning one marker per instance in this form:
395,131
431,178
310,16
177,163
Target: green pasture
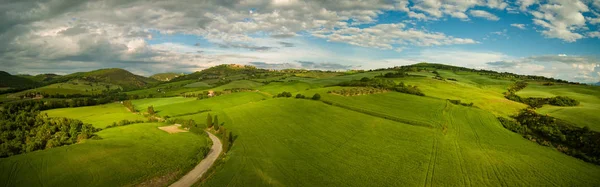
99,116
299,142
125,156
586,114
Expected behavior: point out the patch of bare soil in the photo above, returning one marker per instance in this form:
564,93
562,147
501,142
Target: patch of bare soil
172,129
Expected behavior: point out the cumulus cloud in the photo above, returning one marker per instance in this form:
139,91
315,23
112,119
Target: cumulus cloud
387,36
573,68
518,25
302,65
484,14
562,19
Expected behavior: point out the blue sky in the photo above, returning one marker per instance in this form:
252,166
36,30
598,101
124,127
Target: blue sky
557,38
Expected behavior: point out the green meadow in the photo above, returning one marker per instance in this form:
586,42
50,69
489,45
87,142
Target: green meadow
125,156
371,139
585,114
99,116
293,142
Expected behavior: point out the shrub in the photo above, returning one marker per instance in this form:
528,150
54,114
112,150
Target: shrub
316,97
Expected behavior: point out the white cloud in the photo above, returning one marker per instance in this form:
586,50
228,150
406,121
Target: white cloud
518,25
561,19
593,34
484,14
386,36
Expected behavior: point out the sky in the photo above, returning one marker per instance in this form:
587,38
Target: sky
554,38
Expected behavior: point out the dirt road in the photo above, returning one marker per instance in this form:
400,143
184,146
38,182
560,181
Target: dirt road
190,178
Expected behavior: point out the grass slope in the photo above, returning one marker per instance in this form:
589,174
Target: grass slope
10,81
586,114
99,116
292,142
75,86
165,76
126,155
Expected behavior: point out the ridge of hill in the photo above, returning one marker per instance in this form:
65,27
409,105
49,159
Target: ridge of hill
116,76
221,71
165,76
11,81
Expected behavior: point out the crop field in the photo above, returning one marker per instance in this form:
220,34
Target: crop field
586,114
278,145
126,155
99,116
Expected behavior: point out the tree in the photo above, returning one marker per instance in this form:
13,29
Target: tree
216,123
299,96
316,97
209,122
151,110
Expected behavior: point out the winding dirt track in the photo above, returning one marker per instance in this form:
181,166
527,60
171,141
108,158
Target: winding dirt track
191,177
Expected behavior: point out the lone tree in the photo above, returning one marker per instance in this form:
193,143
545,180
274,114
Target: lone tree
151,110
209,122
216,123
316,97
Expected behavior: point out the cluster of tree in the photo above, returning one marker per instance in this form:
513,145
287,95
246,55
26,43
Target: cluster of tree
437,75
23,129
358,91
129,105
537,102
398,74
185,123
123,123
458,102
548,84
452,79
283,94
151,110
575,141
383,84
227,138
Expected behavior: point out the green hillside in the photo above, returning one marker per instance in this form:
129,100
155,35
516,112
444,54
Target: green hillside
11,81
165,76
418,125
116,76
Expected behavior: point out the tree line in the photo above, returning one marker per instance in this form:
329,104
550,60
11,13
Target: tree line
358,91
537,102
579,142
23,129
383,84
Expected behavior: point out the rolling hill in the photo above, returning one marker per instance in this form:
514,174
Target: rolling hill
451,136
116,76
11,81
165,76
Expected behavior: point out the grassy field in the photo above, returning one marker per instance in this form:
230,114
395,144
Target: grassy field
586,114
280,145
194,106
125,155
100,116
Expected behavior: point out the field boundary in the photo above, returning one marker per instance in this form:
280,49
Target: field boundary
379,115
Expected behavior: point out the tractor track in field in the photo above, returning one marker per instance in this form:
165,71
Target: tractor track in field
432,160
195,174
493,166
